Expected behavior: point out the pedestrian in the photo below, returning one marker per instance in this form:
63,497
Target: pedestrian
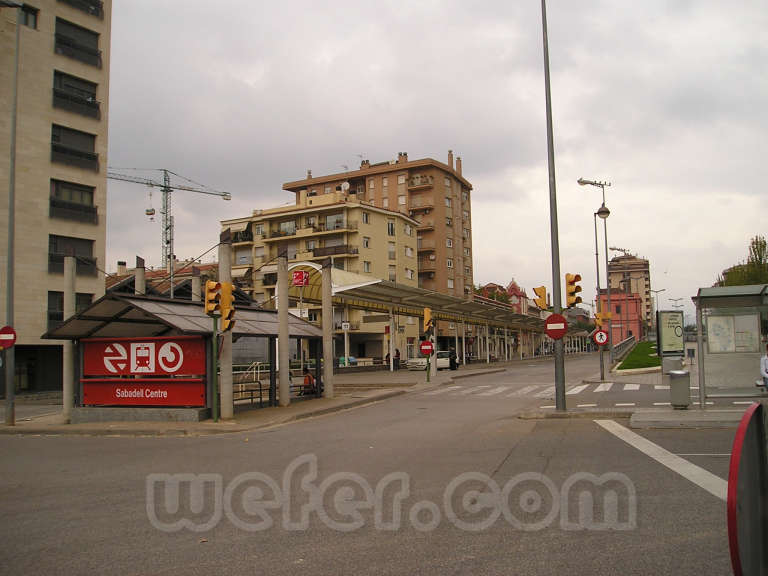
309,383
397,359
453,360
764,369
386,360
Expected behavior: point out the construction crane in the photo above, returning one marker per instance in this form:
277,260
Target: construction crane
166,188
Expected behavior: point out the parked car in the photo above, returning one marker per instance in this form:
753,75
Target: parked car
420,363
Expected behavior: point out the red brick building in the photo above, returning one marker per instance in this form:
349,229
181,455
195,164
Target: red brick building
628,314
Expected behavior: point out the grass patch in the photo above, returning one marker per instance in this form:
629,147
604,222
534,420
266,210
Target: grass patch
643,355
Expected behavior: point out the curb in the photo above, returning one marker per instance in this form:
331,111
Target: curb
574,414
631,371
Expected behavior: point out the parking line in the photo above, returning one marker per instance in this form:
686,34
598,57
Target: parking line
699,476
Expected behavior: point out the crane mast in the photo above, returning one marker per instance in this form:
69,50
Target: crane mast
167,222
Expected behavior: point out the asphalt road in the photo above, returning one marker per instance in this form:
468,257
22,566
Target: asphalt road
81,505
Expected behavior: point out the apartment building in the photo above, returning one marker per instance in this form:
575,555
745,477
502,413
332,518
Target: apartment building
61,166
433,193
629,274
358,237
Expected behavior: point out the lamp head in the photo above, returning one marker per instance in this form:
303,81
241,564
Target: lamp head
603,212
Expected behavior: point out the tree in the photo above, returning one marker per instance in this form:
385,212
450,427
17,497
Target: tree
753,271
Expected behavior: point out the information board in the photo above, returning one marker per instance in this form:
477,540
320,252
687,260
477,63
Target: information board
670,333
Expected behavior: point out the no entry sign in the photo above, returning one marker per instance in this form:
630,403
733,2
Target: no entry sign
556,326
600,337
7,337
426,347
300,278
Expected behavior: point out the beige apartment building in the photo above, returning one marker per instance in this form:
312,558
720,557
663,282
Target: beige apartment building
630,274
358,237
434,194
61,167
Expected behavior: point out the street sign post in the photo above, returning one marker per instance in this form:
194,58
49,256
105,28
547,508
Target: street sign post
556,326
426,348
600,337
7,337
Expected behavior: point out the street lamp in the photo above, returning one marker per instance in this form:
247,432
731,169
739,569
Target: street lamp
656,295
599,302
10,358
603,213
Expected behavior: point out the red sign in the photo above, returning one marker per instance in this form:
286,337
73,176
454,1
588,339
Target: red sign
426,347
7,337
300,278
556,326
148,392
179,355
600,337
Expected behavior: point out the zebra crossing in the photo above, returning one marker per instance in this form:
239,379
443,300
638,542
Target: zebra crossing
531,390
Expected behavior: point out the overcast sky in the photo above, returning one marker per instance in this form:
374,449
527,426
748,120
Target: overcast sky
664,99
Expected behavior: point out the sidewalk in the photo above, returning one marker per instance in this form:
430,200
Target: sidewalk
364,388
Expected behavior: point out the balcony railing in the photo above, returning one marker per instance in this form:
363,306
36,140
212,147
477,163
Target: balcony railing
74,157
73,211
84,265
74,49
333,250
75,103
269,279
426,245
420,181
92,7
323,227
425,264
281,233
244,236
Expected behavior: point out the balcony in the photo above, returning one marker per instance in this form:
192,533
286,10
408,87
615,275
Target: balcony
73,49
426,225
427,265
418,204
243,236
92,7
282,233
269,279
419,182
85,106
74,157
73,211
84,266
426,246
334,250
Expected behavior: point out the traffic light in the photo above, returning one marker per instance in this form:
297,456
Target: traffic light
601,318
428,322
212,297
227,306
541,301
572,289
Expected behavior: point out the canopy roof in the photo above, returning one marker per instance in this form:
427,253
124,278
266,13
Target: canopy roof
119,316
733,296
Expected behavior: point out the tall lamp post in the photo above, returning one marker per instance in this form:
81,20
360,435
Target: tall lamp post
599,302
10,363
656,295
603,213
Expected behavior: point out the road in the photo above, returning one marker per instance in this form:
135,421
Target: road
80,505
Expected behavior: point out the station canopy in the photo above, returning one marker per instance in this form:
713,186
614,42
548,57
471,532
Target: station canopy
121,316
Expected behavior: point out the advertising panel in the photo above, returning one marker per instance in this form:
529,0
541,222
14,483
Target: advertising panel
144,356
670,332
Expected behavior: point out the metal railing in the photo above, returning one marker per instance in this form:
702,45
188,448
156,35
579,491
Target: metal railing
70,47
92,7
333,250
73,211
622,348
85,265
86,106
74,157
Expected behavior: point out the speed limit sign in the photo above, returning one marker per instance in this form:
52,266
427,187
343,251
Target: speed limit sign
600,337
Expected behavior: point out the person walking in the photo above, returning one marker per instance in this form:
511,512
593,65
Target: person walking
397,359
764,369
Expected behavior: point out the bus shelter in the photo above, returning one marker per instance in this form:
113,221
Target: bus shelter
732,329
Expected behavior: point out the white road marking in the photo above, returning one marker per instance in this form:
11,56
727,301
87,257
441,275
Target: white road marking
661,387
441,390
604,387
471,390
704,455
494,391
548,391
631,387
624,404
577,389
743,402
662,404
546,407
703,478
586,406
523,391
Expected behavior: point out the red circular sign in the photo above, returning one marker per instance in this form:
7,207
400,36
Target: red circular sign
7,337
426,347
600,337
556,326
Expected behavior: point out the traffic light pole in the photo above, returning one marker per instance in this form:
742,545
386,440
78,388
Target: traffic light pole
215,343
556,288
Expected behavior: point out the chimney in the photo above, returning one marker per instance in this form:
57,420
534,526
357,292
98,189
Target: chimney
402,157
309,174
139,280
458,165
365,164
196,284
450,158
122,268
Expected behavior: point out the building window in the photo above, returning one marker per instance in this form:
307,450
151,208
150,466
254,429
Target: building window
310,222
401,179
618,309
449,263
392,252
449,242
450,283
311,245
408,230
77,42
338,264
466,251
287,228
464,196
366,218
92,7
334,221
465,233
75,94
371,184
385,182
401,200
82,249
327,190
467,271
449,221
447,201
366,267
71,201
392,273
390,227
74,148
366,242
258,229
465,214
56,306
409,252
312,315
409,273
29,16
447,182
385,202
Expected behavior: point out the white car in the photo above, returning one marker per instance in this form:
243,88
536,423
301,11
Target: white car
420,363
